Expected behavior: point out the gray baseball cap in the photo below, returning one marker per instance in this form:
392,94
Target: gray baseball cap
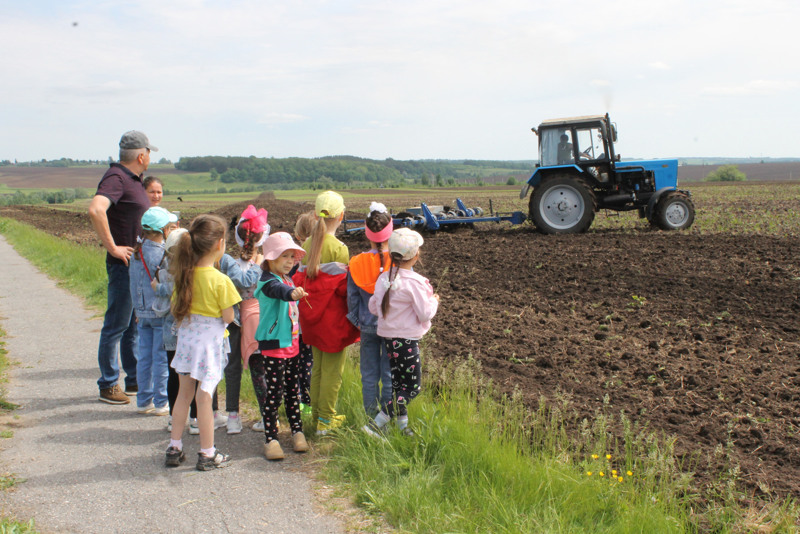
135,139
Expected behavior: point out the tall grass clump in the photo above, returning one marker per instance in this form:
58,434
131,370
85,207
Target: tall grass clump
78,268
484,463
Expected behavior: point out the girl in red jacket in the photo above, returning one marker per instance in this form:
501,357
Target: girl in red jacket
323,315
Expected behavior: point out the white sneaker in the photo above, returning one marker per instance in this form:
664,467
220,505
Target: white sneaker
220,420
146,409
234,423
258,426
161,410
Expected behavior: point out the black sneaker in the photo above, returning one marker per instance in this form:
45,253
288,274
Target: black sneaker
175,457
207,463
132,390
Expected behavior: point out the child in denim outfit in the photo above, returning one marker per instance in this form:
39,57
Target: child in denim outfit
376,375
151,366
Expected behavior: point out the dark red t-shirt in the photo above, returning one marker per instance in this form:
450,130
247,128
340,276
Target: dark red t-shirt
129,201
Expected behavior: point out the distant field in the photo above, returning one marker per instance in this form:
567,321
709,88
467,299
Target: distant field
56,178
46,178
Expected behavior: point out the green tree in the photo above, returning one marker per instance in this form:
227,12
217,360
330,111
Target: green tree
511,181
726,173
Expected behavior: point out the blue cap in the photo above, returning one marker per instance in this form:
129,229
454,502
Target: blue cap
155,219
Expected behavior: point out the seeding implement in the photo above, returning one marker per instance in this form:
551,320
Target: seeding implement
433,218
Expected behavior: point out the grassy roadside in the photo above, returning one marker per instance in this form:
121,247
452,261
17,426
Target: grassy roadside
480,463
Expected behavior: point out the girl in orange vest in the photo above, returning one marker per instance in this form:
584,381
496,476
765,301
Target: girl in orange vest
365,268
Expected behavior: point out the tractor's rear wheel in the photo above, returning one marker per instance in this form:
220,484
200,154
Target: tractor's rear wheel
674,211
562,204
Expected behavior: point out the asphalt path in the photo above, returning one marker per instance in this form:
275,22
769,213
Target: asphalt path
92,467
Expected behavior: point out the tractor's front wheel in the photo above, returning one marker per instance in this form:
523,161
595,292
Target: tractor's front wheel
674,211
562,204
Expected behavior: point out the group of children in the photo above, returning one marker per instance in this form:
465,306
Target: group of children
279,311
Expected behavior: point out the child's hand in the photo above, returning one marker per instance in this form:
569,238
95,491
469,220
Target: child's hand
436,296
258,259
154,283
299,293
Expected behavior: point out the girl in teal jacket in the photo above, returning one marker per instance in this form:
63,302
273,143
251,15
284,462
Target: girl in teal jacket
276,367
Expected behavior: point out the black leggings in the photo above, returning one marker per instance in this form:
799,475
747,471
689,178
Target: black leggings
172,389
275,379
406,373
233,371
306,362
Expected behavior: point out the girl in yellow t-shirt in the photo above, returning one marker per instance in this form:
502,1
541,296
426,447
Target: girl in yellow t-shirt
202,304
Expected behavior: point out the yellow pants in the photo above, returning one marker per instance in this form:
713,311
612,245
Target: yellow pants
326,380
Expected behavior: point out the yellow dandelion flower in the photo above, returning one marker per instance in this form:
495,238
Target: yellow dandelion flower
614,472
619,478
608,456
601,474
595,457
630,474
588,473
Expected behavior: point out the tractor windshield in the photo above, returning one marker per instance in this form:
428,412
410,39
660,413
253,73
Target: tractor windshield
590,143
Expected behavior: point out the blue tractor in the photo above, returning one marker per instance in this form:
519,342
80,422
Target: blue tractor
579,173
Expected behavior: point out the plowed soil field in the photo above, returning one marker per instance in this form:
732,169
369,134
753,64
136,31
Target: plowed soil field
696,335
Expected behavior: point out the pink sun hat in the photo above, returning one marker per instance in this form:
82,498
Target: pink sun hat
278,243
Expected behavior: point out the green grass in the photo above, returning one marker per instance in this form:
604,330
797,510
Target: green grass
483,465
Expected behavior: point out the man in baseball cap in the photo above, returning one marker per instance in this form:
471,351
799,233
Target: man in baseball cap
135,140
116,213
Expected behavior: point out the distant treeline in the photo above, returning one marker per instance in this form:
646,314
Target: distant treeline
345,169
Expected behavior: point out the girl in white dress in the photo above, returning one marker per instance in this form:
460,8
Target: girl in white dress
202,304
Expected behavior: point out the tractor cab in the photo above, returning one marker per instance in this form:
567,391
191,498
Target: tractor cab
586,142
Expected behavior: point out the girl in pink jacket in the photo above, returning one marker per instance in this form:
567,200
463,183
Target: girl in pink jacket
405,303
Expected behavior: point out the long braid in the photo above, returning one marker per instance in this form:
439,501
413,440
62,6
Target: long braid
393,270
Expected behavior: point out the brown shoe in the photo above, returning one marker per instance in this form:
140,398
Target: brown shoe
273,451
114,395
299,443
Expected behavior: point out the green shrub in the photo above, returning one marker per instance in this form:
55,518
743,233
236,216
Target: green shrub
726,173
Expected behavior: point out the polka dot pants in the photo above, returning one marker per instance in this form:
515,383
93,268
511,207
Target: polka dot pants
276,380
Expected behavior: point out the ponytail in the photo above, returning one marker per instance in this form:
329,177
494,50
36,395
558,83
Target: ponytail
315,254
397,258
204,233
181,267
249,239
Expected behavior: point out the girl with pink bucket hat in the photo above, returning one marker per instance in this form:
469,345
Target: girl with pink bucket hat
275,369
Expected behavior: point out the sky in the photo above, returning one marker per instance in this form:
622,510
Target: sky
418,79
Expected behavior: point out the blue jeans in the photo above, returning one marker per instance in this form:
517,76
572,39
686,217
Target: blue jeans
119,330
375,369
151,366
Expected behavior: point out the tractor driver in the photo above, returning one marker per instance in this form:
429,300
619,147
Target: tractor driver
565,156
